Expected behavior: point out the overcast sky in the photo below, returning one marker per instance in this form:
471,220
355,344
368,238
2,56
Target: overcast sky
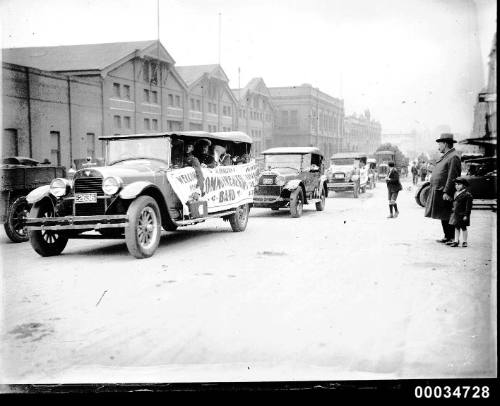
415,64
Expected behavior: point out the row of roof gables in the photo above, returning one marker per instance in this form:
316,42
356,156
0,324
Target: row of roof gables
230,136
100,59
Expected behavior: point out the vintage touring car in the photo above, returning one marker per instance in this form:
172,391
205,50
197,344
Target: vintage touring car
149,183
348,171
292,177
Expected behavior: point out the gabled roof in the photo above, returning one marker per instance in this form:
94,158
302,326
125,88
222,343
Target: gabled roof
191,74
87,57
256,85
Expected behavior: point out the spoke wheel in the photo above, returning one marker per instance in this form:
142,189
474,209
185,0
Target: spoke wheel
239,219
320,206
296,202
142,234
46,242
14,225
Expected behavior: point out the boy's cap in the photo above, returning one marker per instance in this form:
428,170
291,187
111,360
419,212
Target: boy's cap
461,180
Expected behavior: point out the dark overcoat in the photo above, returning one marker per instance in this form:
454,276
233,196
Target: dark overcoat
462,206
393,183
447,169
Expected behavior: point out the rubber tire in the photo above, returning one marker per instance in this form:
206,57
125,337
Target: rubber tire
16,211
417,197
297,202
356,191
320,206
139,207
40,239
424,195
239,219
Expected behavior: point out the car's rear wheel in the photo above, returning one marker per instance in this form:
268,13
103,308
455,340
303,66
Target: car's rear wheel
143,232
14,227
296,202
320,206
239,219
46,242
424,195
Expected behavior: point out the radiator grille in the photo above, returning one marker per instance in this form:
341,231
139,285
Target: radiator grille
90,185
268,190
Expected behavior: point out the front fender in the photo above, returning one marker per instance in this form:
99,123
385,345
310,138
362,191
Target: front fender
133,190
38,194
292,184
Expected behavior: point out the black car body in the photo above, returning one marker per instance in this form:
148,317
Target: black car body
292,177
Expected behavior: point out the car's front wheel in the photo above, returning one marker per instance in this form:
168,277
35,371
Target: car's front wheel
320,206
142,234
296,202
46,242
239,219
356,190
14,226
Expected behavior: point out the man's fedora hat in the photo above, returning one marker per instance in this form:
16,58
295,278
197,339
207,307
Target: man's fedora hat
446,137
461,180
203,142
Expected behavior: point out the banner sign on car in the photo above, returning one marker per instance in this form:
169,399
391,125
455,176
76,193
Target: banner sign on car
225,187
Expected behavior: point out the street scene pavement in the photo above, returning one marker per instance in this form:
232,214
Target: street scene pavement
343,294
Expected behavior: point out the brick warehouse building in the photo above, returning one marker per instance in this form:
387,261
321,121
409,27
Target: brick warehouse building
256,113
361,133
305,116
57,101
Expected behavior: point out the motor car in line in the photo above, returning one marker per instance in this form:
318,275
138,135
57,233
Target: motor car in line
292,177
348,172
480,173
146,184
19,176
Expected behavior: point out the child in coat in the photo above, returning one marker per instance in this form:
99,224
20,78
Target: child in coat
462,207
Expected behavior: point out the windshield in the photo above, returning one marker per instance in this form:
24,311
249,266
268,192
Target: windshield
342,161
289,161
133,148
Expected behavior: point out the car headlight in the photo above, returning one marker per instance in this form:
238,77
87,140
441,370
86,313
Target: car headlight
111,185
280,180
59,187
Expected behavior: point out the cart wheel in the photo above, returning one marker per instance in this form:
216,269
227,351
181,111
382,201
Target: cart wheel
14,224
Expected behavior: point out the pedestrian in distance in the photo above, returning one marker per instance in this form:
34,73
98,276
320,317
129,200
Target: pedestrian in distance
414,173
393,188
462,208
423,171
442,187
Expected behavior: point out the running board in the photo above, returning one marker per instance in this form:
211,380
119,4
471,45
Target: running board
182,223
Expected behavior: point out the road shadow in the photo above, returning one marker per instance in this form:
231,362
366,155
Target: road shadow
262,212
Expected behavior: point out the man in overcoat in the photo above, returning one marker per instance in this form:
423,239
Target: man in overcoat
439,203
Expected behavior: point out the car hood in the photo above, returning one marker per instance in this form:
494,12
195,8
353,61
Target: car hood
128,172
340,168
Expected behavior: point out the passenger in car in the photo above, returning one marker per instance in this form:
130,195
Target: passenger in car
201,152
223,157
191,160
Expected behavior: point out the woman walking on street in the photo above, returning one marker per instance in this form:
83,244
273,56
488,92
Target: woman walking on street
393,188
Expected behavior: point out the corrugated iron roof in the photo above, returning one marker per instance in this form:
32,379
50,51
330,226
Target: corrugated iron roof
73,57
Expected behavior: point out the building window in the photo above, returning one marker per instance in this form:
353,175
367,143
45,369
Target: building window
126,91
192,104
293,117
91,145
178,101
117,121
146,95
155,124
145,71
126,122
147,124
198,105
116,90
284,118
154,72
170,99
10,144
154,96
55,147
